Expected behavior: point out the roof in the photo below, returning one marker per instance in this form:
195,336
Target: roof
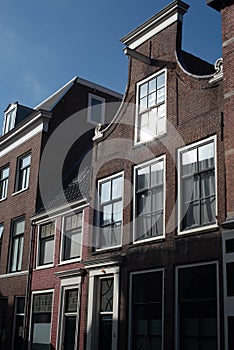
195,65
52,100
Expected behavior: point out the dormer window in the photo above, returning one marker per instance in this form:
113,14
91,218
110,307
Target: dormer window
9,121
151,107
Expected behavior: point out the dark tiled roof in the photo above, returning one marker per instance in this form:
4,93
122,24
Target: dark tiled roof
195,65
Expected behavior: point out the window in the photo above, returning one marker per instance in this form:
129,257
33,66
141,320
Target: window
146,310
197,185
23,171
96,110
110,212
151,107
149,200
1,233
9,121
3,322
103,309
4,176
17,244
46,243
41,321
19,323
197,307
70,317
72,236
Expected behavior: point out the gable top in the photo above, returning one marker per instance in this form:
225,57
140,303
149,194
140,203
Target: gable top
52,100
173,12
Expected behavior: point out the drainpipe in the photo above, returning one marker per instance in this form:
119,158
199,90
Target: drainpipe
29,286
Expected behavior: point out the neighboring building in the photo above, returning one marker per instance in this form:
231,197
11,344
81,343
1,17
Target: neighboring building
155,268
26,134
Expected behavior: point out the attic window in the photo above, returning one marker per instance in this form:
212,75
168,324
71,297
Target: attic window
96,109
151,107
9,121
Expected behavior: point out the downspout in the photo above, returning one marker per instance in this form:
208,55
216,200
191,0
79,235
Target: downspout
29,286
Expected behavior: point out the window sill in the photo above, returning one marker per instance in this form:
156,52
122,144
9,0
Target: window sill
145,142
20,191
41,267
198,230
69,261
14,274
149,240
3,199
107,249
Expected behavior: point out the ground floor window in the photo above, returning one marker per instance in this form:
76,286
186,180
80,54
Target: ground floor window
197,312
146,316
41,321
18,339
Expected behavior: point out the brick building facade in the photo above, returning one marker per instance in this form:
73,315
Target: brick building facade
132,249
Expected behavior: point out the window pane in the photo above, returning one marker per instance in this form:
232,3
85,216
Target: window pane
152,99
25,161
230,279
160,80
152,85
161,95
157,173
117,187
1,231
15,245
46,251
69,333
106,301
105,191
71,300
143,90
143,178
107,214
72,245
206,156
117,211
143,104
96,110
19,227
189,162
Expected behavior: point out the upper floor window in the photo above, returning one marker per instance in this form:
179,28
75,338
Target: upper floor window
110,212
72,237
46,244
9,120
17,244
151,107
96,110
149,200
23,172
4,176
197,192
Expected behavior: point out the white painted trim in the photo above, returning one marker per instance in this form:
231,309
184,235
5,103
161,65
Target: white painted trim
94,277
13,274
142,272
100,181
66,284
69,261
177,299
142,165
22,140
136,142
44,291
63,210
89,111
154,31
179,218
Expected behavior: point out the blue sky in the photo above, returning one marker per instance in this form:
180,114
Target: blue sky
45,43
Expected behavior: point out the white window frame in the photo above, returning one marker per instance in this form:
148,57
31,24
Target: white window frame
5,182
1,235
92,329
102,100
18,172
71,260
9,119
180,218
152,161
153,136
130,303
177,268
67,284
44,291
45,266
97,230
